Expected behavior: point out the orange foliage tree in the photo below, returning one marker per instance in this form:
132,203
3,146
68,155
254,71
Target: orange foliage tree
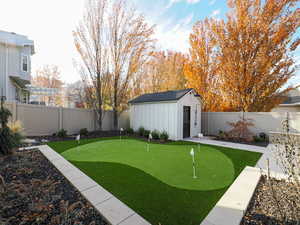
164,72
244,62
48,76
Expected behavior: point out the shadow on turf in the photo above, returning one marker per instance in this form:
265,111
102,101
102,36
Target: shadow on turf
156,201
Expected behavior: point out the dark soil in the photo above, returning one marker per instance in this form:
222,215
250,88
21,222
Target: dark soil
94,134
260,144
263,209
33,191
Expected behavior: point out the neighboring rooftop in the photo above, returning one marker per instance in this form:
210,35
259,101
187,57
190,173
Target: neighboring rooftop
14,39
295,100
161,96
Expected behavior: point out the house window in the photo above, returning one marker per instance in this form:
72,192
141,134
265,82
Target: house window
25,63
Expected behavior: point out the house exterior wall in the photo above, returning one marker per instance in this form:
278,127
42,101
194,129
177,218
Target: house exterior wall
195,103
161,116
12,48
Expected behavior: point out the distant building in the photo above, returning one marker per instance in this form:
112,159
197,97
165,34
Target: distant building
15,66
291,104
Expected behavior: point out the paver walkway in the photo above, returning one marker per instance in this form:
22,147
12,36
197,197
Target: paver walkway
262,162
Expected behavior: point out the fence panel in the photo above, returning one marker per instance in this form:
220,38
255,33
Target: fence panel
213,122
43,120
38,120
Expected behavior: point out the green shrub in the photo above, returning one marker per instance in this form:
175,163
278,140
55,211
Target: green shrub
146,133
223,135
263,136
155,134
8,139
141,131
257,138
84,132
164,136
130,131
62,133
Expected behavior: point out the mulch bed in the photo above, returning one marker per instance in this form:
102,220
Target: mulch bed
33,191
262,208
91,135
260,144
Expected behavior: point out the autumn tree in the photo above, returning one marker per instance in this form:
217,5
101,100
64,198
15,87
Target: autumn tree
91,44
164,71
201,68
130,43
49,76
251,52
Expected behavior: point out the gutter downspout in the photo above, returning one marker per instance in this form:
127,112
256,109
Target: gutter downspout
6,71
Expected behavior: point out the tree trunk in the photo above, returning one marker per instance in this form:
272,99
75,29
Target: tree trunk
115,104
99,100
115,117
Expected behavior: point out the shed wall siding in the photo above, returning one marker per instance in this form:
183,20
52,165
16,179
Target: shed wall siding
159,116
195,103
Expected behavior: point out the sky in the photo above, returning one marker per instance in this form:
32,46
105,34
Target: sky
50,24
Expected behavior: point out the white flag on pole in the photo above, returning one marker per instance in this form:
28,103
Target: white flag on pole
192,152
78,138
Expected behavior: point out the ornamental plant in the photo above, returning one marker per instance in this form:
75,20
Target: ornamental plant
155,134
8,139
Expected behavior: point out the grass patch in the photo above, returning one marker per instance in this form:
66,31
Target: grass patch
158,184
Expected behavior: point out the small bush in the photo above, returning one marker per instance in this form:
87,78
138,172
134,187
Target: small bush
8,139
263,136
54,134
130,131
84,132
164,136
15,126
141,131
222,135
62,133
146,133
155,134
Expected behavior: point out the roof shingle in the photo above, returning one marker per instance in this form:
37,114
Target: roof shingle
161,96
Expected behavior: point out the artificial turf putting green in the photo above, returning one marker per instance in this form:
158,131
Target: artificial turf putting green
158,183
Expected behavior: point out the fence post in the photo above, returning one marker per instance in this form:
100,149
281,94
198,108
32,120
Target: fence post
95,120
60,116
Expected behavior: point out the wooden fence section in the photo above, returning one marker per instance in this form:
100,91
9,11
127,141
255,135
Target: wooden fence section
43,120
213,122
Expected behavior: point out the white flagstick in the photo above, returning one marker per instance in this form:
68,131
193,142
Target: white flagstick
199,136
121,130
194,167
149,140
78,138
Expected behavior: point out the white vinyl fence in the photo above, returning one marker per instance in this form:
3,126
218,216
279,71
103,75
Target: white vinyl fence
43,120
213,122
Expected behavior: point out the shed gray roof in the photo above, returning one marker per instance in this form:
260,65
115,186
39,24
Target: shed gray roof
292,100
161,96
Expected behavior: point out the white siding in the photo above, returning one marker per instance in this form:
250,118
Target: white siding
295,108
194,102
151,116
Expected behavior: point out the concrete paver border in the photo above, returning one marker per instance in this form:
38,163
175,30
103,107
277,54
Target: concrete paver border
112,209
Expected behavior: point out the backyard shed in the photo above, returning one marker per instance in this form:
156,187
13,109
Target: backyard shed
176,112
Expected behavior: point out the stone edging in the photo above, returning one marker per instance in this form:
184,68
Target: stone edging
231,208
111,208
